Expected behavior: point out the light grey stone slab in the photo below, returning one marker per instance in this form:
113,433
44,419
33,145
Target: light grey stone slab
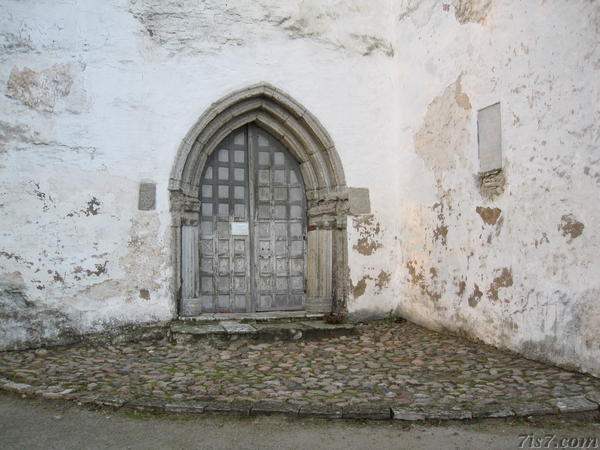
203,329
358,201
323,412
492,411
280,326
407,414
51,395
233,327
367,412
448,414
574,404
20,388
489,133
147,197
147,404
258,317
328,326
274,408
232,407
185,407
112,401
533,409
101,400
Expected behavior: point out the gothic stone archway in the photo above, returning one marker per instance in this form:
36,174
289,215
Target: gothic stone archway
329,200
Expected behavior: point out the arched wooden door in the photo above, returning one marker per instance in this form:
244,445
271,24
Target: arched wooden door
252,228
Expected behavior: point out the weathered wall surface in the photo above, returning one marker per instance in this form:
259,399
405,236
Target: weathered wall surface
96,100
514,265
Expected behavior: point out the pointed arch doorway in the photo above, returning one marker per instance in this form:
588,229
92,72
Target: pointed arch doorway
252,229
309,153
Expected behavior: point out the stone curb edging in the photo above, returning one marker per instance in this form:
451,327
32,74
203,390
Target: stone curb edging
564,405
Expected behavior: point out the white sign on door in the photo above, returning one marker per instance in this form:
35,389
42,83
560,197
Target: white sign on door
239,228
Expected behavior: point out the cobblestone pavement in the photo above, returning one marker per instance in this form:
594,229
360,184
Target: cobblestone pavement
398,365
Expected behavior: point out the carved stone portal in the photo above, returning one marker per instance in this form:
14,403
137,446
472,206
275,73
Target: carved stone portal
329,200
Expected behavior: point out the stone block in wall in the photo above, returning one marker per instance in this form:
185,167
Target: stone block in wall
147,197
358,201
489,132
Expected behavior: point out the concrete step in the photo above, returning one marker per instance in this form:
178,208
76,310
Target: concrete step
264,331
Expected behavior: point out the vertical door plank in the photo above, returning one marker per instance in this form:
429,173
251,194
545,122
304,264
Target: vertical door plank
189,270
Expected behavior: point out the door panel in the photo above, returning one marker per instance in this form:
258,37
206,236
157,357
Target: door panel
224,256
279,225
252,228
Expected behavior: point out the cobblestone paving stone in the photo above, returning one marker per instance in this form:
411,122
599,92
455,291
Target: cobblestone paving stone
393,364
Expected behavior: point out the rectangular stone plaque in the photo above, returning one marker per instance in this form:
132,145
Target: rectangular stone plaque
239,228
147,197
489,133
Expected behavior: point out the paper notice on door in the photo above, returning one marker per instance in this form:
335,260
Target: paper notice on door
239,228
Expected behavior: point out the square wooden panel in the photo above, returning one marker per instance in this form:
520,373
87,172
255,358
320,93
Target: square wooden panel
206,265
223,247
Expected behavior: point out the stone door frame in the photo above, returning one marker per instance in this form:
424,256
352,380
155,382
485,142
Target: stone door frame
329,200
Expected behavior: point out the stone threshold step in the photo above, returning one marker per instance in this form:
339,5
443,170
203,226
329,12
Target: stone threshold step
264,331
271,316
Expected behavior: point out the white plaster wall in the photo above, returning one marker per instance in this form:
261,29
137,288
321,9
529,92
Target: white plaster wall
529,282
112,87
110,90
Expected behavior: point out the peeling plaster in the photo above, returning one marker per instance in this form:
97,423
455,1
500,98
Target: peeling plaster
475,296
418,279
462,286
369,231
571,227
492,184
360,287
40,90
382,280
407,132
471,10
92,209
143,249
503,280
444,134
440,233
489,215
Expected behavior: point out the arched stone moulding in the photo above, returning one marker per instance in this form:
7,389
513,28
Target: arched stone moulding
329,200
